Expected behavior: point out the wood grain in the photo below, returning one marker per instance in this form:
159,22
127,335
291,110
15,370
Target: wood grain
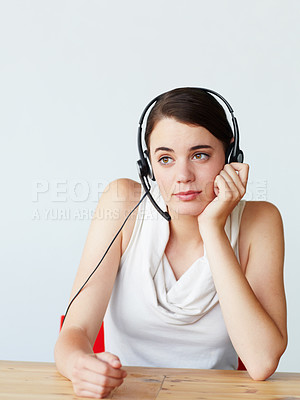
41,381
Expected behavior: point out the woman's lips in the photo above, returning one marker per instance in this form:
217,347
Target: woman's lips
187,196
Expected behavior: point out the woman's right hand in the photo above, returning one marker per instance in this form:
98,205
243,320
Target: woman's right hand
96,375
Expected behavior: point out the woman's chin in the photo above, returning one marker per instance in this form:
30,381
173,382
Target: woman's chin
186,208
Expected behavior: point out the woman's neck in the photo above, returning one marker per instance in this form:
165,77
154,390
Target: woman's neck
184,229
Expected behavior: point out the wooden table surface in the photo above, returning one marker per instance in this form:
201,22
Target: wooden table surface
41,381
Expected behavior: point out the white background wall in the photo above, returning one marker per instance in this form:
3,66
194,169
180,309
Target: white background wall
74,78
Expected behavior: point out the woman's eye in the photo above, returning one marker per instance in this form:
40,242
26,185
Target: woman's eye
201,156
165,160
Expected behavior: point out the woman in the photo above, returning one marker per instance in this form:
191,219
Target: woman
193,292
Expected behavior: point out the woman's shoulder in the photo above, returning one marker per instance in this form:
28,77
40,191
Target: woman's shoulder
121,196
260,212
117,200
123,192
261,224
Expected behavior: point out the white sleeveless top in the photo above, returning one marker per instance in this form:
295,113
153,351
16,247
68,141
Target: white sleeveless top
154,320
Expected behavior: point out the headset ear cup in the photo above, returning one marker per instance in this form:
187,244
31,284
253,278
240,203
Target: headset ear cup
228,154
149,166
142,168
240,156
231,157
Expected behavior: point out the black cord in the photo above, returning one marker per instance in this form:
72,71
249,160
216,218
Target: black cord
102,257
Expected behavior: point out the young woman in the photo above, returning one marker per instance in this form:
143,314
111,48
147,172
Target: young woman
198,291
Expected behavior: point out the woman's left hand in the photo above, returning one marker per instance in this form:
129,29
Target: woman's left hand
229,187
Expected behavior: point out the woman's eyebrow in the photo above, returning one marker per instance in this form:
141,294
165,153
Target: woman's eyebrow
199,146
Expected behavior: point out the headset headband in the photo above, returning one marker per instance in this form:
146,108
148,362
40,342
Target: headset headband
236,152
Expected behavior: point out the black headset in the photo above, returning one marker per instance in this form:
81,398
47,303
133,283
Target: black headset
233,153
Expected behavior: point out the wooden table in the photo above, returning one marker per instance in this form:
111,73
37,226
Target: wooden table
41,381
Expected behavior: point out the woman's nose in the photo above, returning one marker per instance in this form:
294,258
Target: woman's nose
184,172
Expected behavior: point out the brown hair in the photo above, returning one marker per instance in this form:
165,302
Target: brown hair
192,106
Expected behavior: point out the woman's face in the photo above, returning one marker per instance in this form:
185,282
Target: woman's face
185,161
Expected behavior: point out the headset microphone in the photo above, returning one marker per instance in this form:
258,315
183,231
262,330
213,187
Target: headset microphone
147,188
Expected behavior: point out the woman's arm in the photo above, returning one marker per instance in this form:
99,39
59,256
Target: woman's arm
95,375
251,294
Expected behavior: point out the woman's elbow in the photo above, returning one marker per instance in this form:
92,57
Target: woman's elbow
263,369
262,372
